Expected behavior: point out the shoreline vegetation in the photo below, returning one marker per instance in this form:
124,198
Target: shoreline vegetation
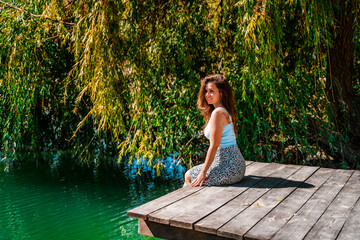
95,81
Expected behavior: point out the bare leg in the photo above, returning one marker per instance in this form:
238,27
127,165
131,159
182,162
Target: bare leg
187,179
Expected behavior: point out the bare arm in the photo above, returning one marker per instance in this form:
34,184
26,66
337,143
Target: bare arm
216,122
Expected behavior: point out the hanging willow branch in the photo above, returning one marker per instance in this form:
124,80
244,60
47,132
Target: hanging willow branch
132,69
7,5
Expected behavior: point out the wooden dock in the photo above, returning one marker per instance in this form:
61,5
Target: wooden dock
273,201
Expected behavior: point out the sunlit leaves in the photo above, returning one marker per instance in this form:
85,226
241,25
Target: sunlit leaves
127,73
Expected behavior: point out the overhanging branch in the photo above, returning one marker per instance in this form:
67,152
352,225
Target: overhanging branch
33,15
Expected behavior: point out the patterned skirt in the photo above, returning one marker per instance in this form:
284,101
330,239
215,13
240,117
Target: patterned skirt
228,167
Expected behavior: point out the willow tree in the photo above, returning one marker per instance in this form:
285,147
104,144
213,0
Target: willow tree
129,71
311,43
340,71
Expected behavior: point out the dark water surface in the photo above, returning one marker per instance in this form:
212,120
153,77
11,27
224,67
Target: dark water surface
78,204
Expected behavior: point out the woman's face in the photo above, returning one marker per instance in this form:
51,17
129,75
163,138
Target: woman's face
212,94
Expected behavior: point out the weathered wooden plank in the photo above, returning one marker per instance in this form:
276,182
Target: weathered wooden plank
147,208
227,211
187,205
186,219
184,205
143,210
253,166
300,224
237,227
158,230
272,202
278,217
331,222
351,229
248,163
218,218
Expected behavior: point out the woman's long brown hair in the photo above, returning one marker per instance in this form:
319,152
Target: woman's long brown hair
227,97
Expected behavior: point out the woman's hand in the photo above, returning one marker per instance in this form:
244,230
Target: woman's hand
201,178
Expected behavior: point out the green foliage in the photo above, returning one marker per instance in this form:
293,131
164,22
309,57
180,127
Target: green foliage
36,114
123,76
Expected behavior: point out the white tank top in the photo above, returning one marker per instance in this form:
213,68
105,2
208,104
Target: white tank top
228,137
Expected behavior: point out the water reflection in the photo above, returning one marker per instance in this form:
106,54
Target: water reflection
79,203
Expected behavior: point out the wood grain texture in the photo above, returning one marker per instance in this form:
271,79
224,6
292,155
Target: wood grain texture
147,208
300,224
185,205
273,201
239,225
278,217
166,209
351,229
216,219
186,219
247,163
331,222
241,203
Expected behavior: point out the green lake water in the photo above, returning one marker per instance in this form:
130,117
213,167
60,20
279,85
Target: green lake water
78,204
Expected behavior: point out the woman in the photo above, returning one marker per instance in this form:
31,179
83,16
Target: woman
224,163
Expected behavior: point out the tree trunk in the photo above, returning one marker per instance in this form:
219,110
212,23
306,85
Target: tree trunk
339,83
